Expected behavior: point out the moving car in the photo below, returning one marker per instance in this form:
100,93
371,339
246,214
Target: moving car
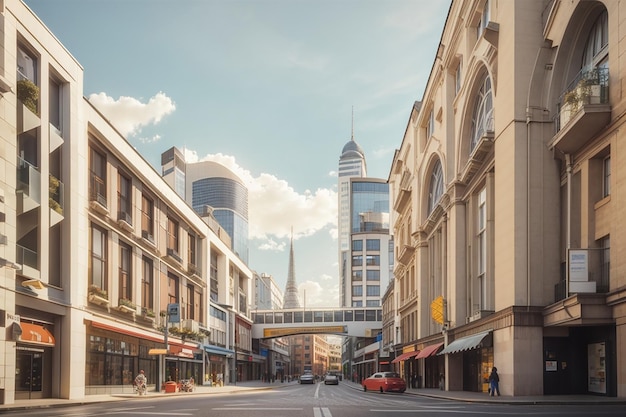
384,382
306,378
331,379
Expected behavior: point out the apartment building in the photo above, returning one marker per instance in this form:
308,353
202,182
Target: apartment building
507,204
114,272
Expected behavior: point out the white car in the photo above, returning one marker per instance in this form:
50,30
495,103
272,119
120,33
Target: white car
307,378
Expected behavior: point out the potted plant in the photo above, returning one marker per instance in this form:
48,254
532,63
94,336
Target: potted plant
126,305
28,94
148,312
98,295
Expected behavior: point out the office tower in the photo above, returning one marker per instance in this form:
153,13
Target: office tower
351,164
208,185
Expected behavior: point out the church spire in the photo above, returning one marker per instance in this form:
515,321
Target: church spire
291,290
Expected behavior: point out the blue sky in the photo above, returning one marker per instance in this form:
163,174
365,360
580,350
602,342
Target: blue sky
268,88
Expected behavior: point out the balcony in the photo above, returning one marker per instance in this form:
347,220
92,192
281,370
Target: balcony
56,200
193,269
173,254
98,296
404,193
28,96
29,259
584,110
28,185
125,221
97,194
589,273
406,254
478,154
55,139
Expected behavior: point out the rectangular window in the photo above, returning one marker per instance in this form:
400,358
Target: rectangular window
97,177
98,258
172,288
55,105
606,171
172,235
124,197
373,245
147,216
189,310
26,65
213,276
357,245
373,275
357,260
191,250
147,284
357,275
357,291
373,290
372,260
430,127
125,283
484,20
481,240
605,266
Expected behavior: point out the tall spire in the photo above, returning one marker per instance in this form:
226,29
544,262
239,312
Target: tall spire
291,290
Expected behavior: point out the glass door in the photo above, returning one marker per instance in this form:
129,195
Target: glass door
28,375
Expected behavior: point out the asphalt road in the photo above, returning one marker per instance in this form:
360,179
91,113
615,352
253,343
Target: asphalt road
316,400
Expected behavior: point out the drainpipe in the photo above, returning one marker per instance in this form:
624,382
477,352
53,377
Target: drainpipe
568,227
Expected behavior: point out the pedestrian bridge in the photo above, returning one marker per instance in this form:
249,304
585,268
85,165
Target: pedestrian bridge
347,321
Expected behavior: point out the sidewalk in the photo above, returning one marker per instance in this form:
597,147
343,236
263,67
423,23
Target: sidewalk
464,396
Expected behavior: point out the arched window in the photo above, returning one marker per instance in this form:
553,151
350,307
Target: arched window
596,48
436,187
482,120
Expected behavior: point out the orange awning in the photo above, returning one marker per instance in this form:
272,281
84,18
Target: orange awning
429,351
36,334
405,356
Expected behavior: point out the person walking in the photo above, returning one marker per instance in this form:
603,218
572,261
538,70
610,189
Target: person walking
494,382
140,382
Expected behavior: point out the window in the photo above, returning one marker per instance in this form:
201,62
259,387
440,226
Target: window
147,284
26,65
596,48
436,187
172,234
147,213
97,180
357,275
98,257
373,275
372,303
124,198
189,307
357,245
172,288
373,290
430,127
125,284
357,291
373,244
484,20
191,250
357,260
482,119
213,276
481,243
55,104
606,175
372,260
605,265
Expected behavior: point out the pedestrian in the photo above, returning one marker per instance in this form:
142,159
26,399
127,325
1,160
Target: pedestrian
413,380
494,382
140,382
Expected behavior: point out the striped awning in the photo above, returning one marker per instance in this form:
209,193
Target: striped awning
429,351
405,356
465,343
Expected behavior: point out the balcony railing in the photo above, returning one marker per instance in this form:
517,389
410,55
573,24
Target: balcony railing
27,257
29,179
588,87
97,189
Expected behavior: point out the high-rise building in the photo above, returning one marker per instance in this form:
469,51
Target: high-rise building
210,186
351,164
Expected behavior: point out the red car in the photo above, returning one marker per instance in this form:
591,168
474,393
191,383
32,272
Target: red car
384,382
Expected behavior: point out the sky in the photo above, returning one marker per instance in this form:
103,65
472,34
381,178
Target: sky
273,89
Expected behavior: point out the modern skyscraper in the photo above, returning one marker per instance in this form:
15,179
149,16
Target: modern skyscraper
351,164
208,185
291,289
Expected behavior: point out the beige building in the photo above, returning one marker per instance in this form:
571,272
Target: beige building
506,203
95,246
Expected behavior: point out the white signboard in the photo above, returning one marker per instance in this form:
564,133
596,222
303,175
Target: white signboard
578,265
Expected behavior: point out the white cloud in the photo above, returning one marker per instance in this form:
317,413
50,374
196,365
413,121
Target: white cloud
322,293
274,207
129,115
153,139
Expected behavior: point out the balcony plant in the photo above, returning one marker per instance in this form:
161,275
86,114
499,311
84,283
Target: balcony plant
127,303
53,190
98,292
148,312
28,94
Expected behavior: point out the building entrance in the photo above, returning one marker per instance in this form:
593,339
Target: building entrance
29,374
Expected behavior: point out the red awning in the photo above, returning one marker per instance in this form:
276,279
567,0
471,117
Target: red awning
36,334
405,356
429,351
134,333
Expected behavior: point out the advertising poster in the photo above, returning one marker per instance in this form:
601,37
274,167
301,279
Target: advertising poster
597,368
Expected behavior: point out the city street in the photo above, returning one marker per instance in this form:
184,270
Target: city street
318,400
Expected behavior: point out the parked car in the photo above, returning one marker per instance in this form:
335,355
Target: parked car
331,379
384,382
306,378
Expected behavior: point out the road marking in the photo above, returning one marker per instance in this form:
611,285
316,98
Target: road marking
317,390
321,412
256,409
